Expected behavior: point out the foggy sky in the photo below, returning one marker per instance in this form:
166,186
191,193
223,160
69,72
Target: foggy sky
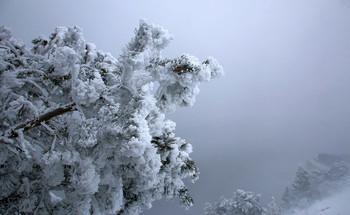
284,99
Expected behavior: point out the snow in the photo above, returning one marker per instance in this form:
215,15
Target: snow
337,204
54,198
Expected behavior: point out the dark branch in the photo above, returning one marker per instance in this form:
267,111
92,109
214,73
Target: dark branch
43,118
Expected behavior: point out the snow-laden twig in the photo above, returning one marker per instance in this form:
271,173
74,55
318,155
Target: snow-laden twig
9,64
43,91
9,143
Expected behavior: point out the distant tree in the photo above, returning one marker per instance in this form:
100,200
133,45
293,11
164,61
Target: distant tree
322,178
286,200
298,195
301,182
333,178
241,203
339,171
83,132
273,208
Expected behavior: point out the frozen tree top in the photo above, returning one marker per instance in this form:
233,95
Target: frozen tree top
83,132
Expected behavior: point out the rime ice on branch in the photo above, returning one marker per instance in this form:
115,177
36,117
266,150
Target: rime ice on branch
83,132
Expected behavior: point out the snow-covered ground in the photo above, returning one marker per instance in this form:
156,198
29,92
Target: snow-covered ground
338,204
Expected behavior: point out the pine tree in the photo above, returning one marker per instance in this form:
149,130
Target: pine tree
339,171
286,200
241,203
299,194
301,182
83,132
273,208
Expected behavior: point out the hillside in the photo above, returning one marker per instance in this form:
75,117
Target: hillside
337,204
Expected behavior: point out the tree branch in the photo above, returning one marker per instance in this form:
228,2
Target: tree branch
43,118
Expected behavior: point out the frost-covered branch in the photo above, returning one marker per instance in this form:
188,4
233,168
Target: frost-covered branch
43,118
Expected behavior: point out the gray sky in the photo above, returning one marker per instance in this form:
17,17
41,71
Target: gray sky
285,96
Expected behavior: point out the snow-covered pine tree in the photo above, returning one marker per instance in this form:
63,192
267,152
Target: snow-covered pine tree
329,178
299,194
322,177
83,132
286,200
273,208
301,182
241,203
339,171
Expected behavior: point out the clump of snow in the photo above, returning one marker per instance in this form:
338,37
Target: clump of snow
55,199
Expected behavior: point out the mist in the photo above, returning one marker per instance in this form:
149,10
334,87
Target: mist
285,96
